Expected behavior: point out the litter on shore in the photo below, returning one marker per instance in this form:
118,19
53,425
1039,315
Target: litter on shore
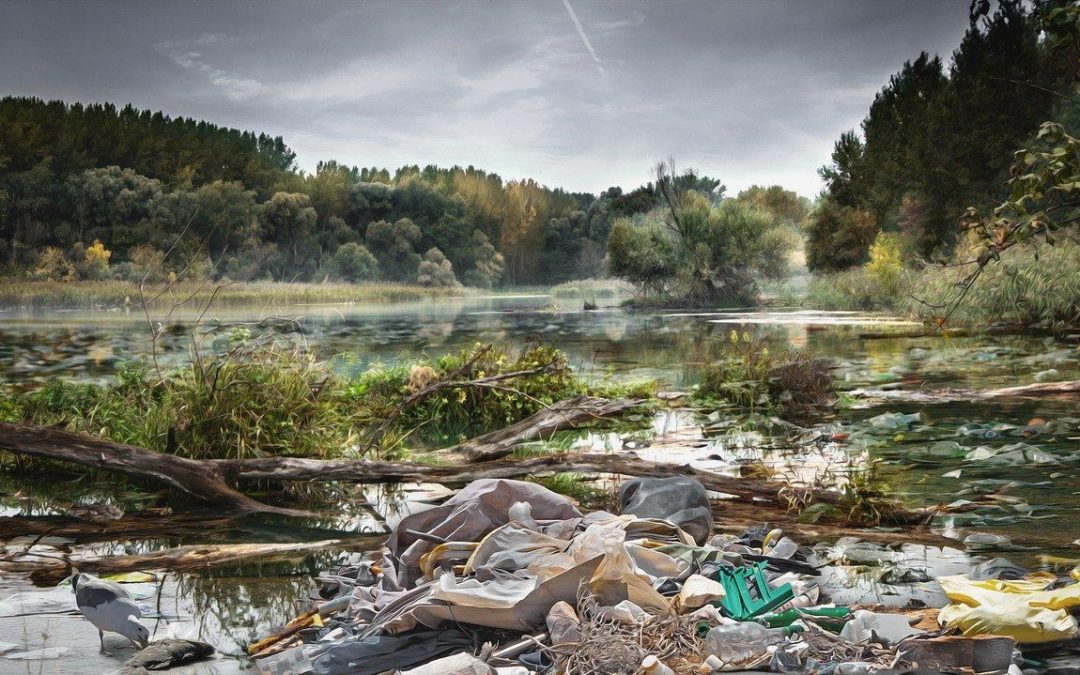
511,578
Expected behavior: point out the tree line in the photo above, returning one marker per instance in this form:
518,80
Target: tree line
134,185
939,140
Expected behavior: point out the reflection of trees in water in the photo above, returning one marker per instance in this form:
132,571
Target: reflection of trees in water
232,611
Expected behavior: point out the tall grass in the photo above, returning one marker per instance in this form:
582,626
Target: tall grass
590,289
1020,290
855,290
1026,288
115,293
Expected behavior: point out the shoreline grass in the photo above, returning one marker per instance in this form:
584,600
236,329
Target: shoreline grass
26,294
1028,289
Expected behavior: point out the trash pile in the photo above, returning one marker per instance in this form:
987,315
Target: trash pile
509,577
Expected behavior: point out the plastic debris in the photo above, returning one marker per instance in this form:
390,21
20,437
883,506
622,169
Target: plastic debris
507,572
1023,609
651,665
458,664
679,500
696,592
747,593
979,654
888,629
563,624
744,645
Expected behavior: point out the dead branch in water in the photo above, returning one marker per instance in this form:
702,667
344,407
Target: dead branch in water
198,479
483,457
560,416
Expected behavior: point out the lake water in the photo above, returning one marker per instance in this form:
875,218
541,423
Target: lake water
955,449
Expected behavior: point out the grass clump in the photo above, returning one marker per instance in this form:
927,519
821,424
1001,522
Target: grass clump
576,487
273,402
482,393
1029,287
746,373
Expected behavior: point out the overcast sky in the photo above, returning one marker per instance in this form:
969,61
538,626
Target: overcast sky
575,93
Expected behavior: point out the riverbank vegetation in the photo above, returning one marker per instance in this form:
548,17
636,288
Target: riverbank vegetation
254,398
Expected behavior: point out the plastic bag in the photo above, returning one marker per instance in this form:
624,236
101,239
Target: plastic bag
1019,609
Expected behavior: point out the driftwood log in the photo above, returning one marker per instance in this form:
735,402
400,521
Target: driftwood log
1067,388
196,478
363,471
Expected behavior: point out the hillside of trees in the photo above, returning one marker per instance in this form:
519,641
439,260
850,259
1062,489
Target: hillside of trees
938,140
95,191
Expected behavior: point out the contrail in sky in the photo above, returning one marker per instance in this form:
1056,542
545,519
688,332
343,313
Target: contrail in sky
585,39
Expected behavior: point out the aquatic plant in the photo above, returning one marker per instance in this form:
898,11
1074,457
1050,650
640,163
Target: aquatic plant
747,373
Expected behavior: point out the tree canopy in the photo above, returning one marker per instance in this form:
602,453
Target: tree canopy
937,140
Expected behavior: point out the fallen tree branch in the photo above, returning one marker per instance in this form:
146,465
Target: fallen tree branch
559,416
198,479
208,479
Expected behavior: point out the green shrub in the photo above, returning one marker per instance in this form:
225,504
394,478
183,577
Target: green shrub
454,414
352,262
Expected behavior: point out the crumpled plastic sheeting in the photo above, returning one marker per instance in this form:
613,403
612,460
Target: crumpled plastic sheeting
378,654
519,599
1019,609
520,569
848,586
479,508
679,499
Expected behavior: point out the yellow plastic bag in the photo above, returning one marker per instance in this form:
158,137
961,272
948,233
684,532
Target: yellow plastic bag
1019,609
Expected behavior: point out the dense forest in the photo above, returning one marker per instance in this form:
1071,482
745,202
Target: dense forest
94,191
938,140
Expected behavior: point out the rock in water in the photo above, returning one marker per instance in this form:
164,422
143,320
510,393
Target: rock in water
165,654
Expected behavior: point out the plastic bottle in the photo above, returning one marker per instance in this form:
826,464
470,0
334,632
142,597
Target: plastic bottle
736,643
653,666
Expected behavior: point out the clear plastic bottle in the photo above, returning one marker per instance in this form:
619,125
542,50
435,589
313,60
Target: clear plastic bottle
740,642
